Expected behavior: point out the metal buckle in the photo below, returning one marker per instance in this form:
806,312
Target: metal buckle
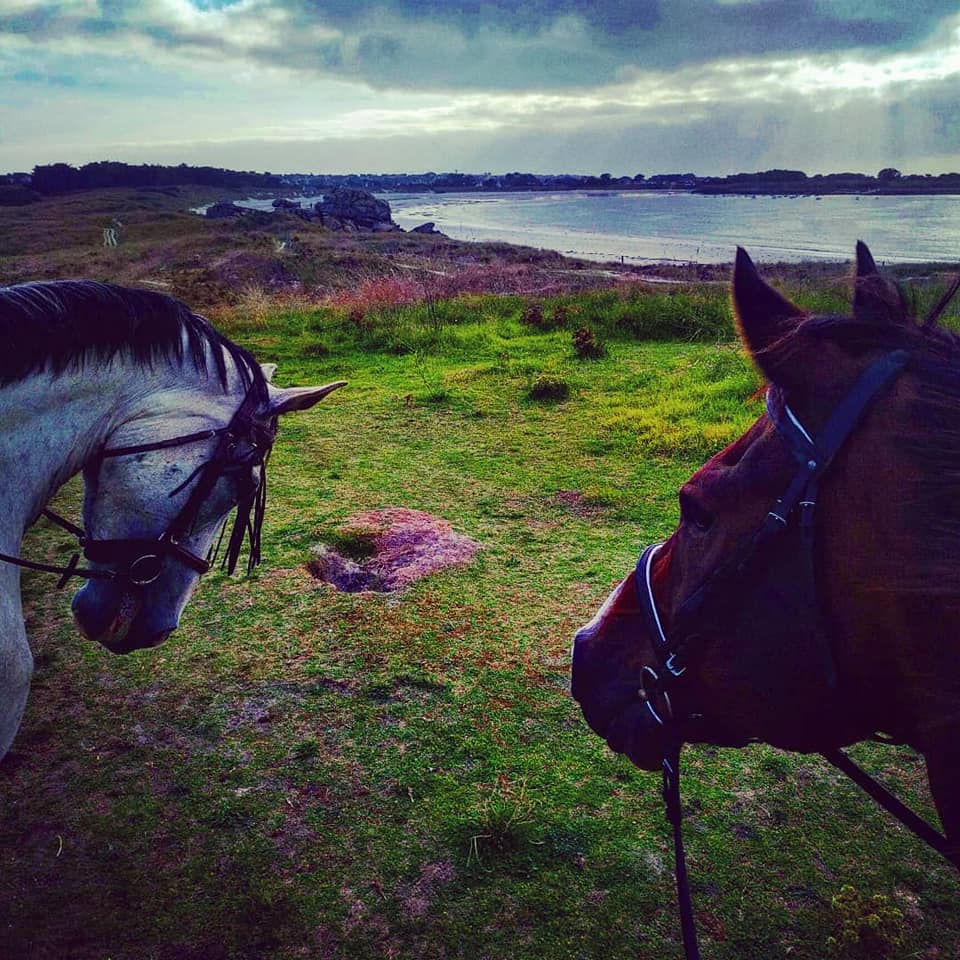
647,695
151,565
670,664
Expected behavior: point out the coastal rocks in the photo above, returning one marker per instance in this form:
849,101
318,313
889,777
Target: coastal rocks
348,209
428,227
224,209
344,209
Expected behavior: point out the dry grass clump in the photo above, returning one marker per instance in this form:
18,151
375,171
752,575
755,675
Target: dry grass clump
548,387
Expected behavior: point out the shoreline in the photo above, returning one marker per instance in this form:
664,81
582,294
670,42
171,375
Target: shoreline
630,229
214,264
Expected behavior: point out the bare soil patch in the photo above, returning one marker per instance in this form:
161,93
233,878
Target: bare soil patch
384,551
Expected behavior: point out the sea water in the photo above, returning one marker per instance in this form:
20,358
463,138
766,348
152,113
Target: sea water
649,226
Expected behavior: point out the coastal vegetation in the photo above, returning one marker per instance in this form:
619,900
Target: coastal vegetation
60,178
304,772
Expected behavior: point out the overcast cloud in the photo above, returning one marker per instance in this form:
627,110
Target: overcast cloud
710,86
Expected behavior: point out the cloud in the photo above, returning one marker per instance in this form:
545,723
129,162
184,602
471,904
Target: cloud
631,86
479,44
625,130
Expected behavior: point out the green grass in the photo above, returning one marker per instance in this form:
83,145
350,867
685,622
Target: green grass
304,773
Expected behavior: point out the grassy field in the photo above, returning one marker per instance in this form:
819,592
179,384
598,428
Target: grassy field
301,772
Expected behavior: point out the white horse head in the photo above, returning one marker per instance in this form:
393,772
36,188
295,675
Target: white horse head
171,424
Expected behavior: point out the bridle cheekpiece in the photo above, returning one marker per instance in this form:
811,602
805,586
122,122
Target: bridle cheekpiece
674,648
245,441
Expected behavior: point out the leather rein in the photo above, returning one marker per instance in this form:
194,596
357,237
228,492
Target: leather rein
244,441
813,457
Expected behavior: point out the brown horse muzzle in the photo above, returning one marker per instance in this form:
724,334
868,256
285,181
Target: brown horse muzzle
607,676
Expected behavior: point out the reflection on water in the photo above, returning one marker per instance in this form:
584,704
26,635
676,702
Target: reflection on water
641,227
646,226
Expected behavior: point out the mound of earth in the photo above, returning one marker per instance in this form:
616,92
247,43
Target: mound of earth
387,550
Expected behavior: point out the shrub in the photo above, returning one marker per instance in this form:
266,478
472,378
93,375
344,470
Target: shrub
532,315
548,386
502,822
586,345
869,926
358,317
254,306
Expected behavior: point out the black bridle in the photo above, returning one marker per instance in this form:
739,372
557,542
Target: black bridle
244,442
793,510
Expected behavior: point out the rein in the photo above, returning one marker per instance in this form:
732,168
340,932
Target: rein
813,457
243,441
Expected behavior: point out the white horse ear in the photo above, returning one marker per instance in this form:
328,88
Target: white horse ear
269,369
299,398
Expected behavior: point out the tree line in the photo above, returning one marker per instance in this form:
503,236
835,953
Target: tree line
58,178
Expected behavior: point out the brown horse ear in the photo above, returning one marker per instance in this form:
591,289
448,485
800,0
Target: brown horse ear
875,298
762,315
866,265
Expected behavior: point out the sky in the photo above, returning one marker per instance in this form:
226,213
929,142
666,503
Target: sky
710,87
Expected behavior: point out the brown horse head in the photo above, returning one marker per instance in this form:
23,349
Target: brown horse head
809,596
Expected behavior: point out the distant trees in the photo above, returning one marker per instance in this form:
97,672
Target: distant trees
57,178
520,181
781,175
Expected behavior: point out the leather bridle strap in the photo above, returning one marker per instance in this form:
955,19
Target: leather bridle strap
142,557
147,552
674,812
813,457
164,444
881,795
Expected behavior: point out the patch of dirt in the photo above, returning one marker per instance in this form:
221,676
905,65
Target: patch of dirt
576,504
402,546
418,897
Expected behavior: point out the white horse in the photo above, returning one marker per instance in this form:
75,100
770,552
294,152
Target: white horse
171,424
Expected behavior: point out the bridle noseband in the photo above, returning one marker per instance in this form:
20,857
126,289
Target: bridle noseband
797,504
245,441
674,649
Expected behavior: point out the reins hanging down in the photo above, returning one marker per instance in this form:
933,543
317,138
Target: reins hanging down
813,456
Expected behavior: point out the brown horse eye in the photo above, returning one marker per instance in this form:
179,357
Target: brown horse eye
694,514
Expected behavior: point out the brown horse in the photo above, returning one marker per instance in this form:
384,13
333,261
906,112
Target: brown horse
810,596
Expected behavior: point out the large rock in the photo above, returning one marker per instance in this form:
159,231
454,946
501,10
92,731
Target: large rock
223,209
346,208
282,203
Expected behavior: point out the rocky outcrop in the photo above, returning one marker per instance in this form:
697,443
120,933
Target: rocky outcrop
224,209
349,209
428,227
282,203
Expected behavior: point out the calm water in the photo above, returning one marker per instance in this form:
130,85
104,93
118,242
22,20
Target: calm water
643,227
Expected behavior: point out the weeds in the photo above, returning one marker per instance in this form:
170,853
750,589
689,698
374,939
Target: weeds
502,822
869,927
254,305
532,315
548,387
586,346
